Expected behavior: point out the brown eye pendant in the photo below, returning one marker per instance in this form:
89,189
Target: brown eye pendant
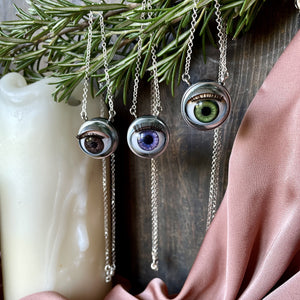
98,138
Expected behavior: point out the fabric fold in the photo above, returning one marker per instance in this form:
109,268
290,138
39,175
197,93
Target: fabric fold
44,295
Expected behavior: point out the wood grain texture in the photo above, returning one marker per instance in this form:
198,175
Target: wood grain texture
185,166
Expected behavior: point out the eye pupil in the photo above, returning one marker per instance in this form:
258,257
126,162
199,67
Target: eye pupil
94,144
148,140
206,111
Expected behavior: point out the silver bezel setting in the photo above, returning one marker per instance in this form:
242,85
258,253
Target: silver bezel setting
147,122
104,126
204,89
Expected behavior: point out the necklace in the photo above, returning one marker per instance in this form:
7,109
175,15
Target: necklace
148,136
99,139
206,104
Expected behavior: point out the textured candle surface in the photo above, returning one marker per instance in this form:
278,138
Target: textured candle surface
51,195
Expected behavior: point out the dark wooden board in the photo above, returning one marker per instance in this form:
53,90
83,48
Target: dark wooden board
185,166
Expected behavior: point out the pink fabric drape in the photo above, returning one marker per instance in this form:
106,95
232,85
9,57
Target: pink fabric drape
45,296
252,249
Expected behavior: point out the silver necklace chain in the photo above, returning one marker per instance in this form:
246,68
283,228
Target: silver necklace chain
112,111
109,235
136,82
156,107
186,74
222,76
109,222
217,140
83,112
155,110
214,177
221,27
110,258
154,213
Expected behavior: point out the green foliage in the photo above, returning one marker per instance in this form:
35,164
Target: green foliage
51,38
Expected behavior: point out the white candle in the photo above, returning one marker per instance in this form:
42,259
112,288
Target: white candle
51,196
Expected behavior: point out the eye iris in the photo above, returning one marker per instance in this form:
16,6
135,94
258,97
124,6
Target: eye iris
206,111
94,144
148,140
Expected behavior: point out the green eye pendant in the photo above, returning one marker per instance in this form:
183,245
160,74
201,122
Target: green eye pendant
205,105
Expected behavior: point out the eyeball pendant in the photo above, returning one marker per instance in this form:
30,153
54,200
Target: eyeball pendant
148,136
98,138
205,105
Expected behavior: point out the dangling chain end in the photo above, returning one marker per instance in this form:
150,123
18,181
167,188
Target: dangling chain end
112,114
224,78
154,264
109,273
84,116
186,78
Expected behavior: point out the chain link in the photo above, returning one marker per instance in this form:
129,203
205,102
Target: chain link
221,26
107,267
214,177
83,112
109,228
113,212
156,107
155,110
112,112
154,213
133,108
186,75
109,237
155,94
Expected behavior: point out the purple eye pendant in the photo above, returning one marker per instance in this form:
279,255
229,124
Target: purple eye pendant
148,136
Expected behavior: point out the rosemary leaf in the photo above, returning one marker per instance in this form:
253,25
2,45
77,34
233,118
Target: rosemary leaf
51,38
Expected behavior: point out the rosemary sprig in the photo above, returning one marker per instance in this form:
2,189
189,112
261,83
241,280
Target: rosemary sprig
50,39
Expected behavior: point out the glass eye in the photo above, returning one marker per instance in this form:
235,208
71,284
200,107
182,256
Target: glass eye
205,105
98,138
148,136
